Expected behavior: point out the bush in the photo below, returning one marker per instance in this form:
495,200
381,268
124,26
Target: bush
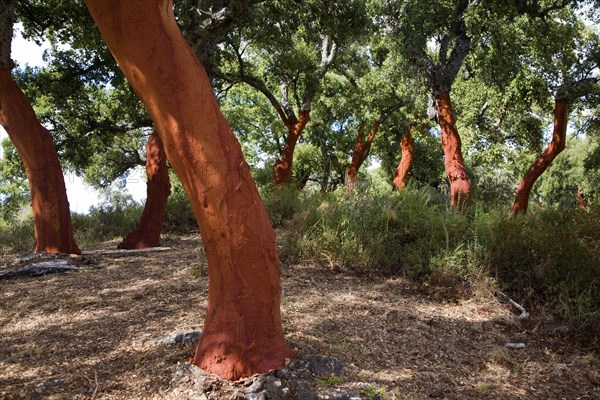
115,217
550,256
17,235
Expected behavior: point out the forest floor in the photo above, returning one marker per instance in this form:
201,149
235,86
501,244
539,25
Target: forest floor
92,334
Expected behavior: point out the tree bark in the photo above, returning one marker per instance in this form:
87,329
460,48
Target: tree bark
51,214
556,145
283,166
158,188
242,333
361,151
460,189
407,145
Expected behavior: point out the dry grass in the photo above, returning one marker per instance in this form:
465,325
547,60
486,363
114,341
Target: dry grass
91,332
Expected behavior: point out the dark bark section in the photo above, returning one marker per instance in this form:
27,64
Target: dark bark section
242,333
556,145
158,188
7,20
407,146
212,20
51,214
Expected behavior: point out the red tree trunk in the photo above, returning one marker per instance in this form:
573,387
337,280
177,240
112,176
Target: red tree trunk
51,215
407,144
158,188
283,167
556,145
460,189
242,332
361,151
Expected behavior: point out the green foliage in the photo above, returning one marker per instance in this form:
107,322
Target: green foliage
14,190
115,217
179,217
549,256
16,234
375,232
372,393
330,380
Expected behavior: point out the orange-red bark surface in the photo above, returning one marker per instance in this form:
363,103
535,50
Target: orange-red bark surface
158,188
283,167
51,215
556,145
361,151
460,189
407,145
242,333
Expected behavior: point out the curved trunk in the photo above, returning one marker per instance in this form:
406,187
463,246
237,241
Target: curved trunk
407,144
242,332
158,188
361,151
51,214
283,167
556,145
460,189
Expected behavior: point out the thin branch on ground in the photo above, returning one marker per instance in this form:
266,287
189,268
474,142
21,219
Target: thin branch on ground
524,314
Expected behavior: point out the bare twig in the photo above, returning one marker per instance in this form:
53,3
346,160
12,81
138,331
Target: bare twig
524,314
97,385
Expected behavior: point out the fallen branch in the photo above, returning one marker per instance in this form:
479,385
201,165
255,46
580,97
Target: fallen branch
524,314
124,252
41,268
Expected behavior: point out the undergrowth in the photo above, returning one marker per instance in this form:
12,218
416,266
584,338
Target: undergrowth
549,256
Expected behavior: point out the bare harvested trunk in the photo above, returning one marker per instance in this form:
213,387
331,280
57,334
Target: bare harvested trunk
283,167
242,332
158,188
460,189
407,145
51,214
556,145
361,151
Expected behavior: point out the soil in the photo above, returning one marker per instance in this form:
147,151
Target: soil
98,333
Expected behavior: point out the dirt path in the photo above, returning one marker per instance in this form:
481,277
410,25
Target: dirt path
95,334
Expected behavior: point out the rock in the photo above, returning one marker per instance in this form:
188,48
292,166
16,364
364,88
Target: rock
297,380
326,366
44,386
181,338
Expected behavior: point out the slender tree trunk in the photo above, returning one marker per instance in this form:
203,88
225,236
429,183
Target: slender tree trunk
581,200
460,189
51,214
326,163
283,167
158,188
407,145
242,333
556,145
361,151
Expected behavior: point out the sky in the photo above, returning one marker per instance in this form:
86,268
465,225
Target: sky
81,196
